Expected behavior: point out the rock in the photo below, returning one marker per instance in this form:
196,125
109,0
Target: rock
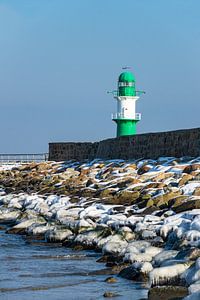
126,197
197,192
114,245
145,168
110,294
111,280
177,201
167,293
149,210
161,201
107,193
136,272
131,273
188,254
190,168
57,234
185,178
187,205
168,275
9,216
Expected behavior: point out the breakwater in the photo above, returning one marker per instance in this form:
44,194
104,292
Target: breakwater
141,215
176,143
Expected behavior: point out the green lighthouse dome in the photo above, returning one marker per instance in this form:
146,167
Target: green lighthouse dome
126,84
126,77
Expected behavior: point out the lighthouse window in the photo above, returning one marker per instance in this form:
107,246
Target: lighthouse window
126,84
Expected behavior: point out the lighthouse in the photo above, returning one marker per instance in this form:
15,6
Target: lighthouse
126,96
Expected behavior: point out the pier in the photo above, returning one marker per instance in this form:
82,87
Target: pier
23,158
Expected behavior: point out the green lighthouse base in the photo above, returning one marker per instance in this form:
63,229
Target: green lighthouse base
126,126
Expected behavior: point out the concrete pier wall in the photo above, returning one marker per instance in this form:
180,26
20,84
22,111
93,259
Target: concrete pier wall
177,143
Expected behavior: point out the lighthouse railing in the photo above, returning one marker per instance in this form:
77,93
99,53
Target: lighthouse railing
137,116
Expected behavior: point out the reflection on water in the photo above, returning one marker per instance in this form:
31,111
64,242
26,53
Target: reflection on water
37,270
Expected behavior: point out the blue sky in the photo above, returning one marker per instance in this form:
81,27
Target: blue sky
58,58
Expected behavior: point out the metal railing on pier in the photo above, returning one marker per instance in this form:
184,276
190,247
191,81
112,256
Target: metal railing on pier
23,158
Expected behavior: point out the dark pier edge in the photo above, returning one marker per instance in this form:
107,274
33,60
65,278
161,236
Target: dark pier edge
178,143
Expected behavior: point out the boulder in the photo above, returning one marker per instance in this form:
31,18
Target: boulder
167,293
187,205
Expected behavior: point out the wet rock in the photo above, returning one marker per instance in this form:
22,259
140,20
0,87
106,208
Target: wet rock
110,295
168,275
57,234
136,272
167,293
111,280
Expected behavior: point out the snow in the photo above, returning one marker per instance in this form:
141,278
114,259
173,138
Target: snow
189,188
7,167
163,275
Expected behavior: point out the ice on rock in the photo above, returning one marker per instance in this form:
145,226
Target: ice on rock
195,287
9,216
137,257
133,220
7,167
135,247
114,245
189,188
27,223
37,229
180,232
57,200
102,241
192,235
163,275
126,233
114,220
146,267
174,223
192,275
195,296
153,251
142,254
89,238
31,199
57,234
15,203
163,256
195,224
140,226
152,219
92,212
5,199
71,212
82,224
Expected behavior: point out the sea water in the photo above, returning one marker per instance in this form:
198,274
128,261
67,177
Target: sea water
32,269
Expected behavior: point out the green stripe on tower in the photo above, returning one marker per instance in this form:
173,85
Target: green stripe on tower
126,127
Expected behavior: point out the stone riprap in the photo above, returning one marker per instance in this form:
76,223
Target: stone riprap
150,145
143,215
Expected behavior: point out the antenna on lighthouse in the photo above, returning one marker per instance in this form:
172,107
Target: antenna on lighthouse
126,68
